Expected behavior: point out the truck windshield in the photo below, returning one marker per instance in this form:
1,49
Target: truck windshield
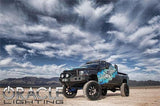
90,66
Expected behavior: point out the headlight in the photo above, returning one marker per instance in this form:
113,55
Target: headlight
81,72
67,75
62,75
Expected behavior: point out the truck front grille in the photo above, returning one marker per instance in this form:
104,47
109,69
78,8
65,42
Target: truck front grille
72,73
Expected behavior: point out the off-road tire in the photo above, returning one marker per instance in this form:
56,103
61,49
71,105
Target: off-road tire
124,90
92,90
67,93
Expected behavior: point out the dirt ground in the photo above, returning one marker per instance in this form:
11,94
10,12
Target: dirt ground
138,97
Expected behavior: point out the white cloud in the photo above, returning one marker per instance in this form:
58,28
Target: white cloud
122,21
48,21
149,65
40,46
48,53
141,32
112,58
68,30
11,49
103,10
148,41
118,35
154,20
45,6
136,73
5,62
126,69
34,28
13,69
101,46
137,68
86,9
152,51
119,20
10,63
144,76
145,34
92,15
8,24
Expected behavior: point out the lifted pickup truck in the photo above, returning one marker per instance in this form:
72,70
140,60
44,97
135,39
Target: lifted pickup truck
95,77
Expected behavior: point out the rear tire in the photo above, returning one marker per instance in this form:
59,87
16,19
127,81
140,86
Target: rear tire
124,90
104,92
92,90
69,92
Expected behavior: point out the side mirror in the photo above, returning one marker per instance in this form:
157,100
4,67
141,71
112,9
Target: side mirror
116,67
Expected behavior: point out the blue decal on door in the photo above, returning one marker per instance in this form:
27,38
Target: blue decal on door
105,75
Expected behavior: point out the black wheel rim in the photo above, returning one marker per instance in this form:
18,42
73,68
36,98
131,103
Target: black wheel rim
92,90
68,92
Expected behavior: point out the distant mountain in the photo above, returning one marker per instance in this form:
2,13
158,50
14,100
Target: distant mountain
134,83
54,82
30,82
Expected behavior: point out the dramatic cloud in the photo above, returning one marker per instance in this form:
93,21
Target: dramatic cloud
40,36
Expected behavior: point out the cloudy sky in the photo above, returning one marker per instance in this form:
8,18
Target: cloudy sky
41,38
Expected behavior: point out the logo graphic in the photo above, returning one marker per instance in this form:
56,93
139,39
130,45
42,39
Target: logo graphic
17,96
105,75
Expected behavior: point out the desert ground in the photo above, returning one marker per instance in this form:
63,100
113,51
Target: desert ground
146,96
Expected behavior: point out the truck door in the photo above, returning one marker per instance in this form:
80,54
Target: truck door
107,74
116,79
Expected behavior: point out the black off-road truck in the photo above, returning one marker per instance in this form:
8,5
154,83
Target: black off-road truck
95,77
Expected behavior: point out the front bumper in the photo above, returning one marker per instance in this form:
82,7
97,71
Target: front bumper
74,80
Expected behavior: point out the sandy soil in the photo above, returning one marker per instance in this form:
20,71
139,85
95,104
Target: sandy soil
138,97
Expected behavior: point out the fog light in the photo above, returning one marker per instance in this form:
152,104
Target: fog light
62,75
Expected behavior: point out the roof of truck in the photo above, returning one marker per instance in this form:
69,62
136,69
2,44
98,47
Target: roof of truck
96,61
